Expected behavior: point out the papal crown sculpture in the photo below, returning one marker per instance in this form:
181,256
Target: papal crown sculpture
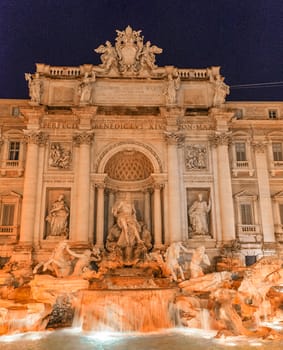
129,55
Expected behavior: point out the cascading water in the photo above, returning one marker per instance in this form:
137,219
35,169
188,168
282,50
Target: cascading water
142,310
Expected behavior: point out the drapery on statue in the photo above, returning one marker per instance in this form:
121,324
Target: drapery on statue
85,88
35,88
58,217
172,85
198,257
172,256
221,91
127,238
198,214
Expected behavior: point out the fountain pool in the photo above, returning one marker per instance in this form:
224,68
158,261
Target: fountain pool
181,339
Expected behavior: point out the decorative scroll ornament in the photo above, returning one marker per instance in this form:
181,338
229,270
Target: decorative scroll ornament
174,138
223,138
83,138
130,56
38,138
259,146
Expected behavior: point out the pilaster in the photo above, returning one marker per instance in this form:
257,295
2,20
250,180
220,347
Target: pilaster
260,150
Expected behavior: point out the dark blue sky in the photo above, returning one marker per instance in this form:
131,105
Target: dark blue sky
244,37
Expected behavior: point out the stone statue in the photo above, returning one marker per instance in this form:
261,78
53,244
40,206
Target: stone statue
221,91
85,88
198,257
172,256
59,263
108,57
172,85
125,214
148,52
127,238
130,56
198,214
35,88
58,217
83,263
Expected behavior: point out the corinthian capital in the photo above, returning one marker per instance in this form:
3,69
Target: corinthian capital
85,138
173,138
36,137
218,139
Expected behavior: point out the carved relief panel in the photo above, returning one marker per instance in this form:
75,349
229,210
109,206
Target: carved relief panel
60,156
57,215
196,157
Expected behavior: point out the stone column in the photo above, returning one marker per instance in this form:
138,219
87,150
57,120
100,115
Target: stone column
83,141
34,140
157,216
174,197
264,192
147,218
221,141
111,201
100,216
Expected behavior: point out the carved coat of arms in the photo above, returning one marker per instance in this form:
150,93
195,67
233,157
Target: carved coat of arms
129,56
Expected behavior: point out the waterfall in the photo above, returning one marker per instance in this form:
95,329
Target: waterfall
142,310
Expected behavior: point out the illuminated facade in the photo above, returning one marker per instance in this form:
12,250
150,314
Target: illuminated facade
197,168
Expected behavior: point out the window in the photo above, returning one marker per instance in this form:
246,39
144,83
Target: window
240,148
272,114
15,111
246,214
277,151
8,211
14,150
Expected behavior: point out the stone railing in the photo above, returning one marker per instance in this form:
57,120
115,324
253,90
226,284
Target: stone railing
194,74
244,229
8,230
65,71
8,165
242,164
62,71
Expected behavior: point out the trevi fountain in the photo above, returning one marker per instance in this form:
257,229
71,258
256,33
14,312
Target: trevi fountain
130,239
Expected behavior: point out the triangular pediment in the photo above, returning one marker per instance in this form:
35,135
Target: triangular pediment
245,194
10,194
278,195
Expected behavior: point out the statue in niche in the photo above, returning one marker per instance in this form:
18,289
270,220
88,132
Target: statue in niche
196,157
221,91
85,88
127,237
172,257
35,88
198,214
58,217
59,157
198,257
172,85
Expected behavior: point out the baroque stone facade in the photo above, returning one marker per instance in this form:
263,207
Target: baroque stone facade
197,169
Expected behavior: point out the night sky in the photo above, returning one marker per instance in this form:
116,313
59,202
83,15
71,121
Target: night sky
244,37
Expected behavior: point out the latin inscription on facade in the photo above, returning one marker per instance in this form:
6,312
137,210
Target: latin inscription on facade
128,93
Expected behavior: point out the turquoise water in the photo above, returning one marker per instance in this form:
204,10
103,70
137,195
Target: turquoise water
177,339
